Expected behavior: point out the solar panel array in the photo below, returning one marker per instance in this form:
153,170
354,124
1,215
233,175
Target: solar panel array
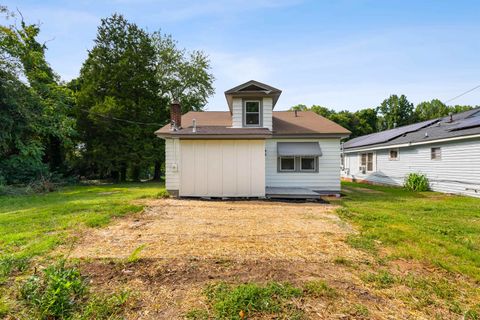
467,123
387,135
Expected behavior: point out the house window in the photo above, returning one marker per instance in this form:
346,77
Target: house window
436,153
367,161
287,164
252,113
393,154
307,164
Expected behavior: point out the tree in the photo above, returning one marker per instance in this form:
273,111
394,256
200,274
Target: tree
430,110
183,76
395,111
117,81
37,128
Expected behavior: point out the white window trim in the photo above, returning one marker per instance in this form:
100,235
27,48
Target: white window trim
374,167
245,113
398,154
308,170
294,164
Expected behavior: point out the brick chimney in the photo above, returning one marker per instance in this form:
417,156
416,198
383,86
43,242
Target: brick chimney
175,116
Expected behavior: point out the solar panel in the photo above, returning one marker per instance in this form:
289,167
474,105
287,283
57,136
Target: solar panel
387,135
467,123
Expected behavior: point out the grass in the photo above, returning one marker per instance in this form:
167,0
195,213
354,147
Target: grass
32,225
442,230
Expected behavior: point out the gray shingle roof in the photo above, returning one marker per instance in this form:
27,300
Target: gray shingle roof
442,128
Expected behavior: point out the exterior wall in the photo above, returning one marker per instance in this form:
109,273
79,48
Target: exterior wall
326,179
458,171
267,113
237,113
266,108
222,168
172,164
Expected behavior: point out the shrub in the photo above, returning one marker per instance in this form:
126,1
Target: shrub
416,182
56,293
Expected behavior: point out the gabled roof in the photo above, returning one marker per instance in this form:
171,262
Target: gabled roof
285,123
462,124
252,88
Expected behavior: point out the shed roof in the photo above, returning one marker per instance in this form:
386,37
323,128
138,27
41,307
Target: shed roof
462,124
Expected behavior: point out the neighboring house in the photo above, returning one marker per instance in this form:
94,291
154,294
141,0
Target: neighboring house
251,150
446,150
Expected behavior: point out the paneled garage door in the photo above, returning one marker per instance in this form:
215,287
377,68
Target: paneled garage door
222,168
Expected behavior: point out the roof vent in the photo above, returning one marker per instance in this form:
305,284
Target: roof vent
451,117
194,124
426,134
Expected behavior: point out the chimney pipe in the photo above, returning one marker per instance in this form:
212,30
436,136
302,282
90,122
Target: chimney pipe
451,116
175,116
296,113
194,124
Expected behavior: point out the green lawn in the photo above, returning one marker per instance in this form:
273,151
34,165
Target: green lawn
31,225
436,228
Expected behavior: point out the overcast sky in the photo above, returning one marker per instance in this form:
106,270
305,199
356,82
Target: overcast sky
345,54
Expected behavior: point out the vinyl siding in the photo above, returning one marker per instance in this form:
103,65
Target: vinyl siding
267,113
237,113
172,157
326,179
458,171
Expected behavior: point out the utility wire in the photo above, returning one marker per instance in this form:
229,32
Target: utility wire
123,120
462,94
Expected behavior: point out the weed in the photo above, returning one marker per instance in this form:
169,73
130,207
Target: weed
343,261
10,263
56,293
416,182
197,314
104,306
361,242
163,194
227,300
319,288
381,280
359,310
135,255
473,313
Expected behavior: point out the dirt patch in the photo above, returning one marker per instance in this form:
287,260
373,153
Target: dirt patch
188,244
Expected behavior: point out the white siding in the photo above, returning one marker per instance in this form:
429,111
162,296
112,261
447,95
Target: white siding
457,172
267,113
326,179
222,168
237,113
172,163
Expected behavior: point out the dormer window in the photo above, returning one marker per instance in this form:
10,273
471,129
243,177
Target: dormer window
252,113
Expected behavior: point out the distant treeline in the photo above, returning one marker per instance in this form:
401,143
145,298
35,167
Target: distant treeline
393,112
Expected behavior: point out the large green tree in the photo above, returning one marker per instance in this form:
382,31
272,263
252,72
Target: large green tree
436,109
36,123
395,111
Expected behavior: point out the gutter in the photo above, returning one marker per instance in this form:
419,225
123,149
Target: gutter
409,144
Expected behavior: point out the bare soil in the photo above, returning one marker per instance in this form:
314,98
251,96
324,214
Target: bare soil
188,244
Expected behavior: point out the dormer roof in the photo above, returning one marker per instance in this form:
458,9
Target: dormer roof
252,88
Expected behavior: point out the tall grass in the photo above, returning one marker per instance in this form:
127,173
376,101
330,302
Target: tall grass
416,182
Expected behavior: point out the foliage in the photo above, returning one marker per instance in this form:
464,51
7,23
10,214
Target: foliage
36,128
436,109
135,255
416,182
228,300
434,228
394,112
56,293
319,289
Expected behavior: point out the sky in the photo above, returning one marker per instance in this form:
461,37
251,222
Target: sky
343,54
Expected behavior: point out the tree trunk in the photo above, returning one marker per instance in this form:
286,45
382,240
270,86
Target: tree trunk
123,173
156,171
136,173
115,175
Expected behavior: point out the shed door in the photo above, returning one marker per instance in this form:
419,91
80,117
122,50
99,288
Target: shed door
222,168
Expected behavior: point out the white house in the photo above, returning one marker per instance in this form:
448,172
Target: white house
251,150
446,150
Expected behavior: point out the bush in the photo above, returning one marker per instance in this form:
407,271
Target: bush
416,182
56,293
